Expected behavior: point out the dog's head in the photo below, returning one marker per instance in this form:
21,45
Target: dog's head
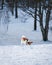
24,39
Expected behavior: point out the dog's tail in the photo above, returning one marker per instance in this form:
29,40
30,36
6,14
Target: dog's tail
29,42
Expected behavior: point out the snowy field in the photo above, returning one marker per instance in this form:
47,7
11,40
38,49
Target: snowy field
11,50
26,55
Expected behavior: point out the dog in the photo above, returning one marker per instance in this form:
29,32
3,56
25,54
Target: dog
25,40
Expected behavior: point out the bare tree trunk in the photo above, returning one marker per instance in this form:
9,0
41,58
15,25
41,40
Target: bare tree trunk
16,12
2,4
45,35
47,23
28,2
45,29
35,17
12,7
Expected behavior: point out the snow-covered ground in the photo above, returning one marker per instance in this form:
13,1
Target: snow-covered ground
11,50
26,55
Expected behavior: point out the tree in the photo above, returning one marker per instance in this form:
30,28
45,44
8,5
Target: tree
16,13
35,17
11,5
45,29
2,3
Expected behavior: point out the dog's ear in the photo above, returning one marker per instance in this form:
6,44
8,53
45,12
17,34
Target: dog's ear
25,39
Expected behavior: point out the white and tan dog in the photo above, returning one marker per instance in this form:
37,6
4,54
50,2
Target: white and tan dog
25,40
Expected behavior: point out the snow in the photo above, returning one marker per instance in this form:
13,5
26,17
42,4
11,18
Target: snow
11,50
24,55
